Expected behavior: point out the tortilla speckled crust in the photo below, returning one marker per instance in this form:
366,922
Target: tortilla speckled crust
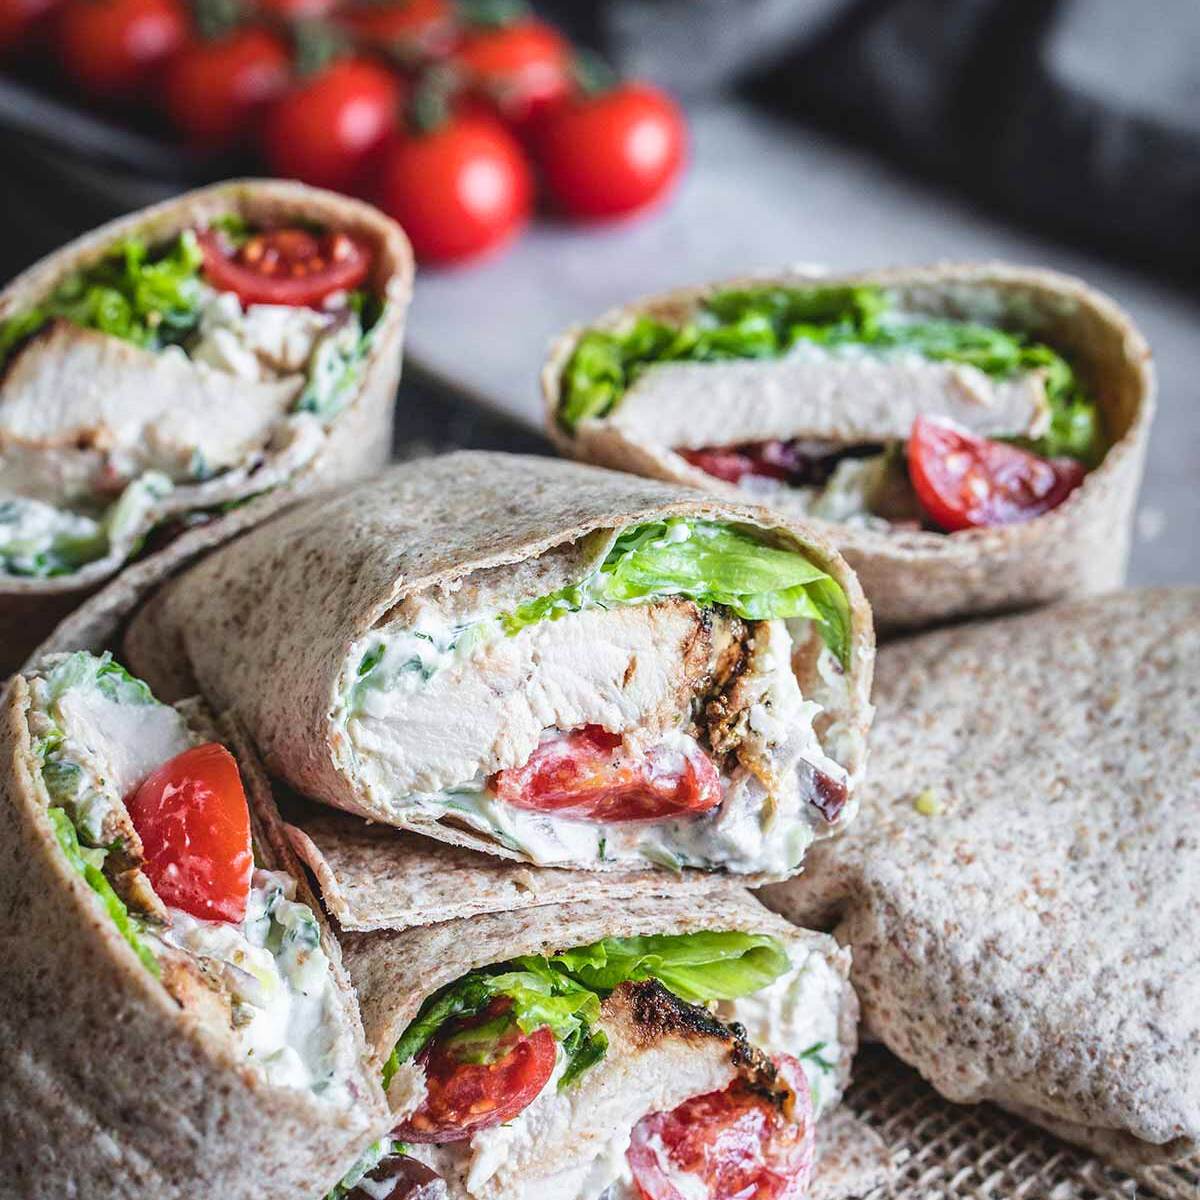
108,1089
915,579
1021,888
264,626
357,443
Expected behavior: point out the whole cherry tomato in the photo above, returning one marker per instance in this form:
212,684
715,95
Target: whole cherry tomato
327,129
412,29
964,481
460,190
523,68
110,48
194,823
612,154
480,1071
24,21
285,266
215,89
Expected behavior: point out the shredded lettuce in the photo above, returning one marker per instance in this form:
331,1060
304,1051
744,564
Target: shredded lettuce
149,299
767,322
563,992
84,862
339,357
710,563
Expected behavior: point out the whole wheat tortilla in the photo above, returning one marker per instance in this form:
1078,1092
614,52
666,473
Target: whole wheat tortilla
1022,886
915,579
108,1089
358,440
263,627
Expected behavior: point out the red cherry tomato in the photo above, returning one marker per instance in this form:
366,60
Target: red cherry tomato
192,817
591,775
523,69
728,1145
110,48
414,29
966,482
285,266
24,21
612,154
460,191
214,90
463,1094
293,10
327,129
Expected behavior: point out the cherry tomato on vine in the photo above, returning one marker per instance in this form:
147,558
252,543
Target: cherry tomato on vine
523,68
964,481
194,823
460,190
294,10
215,89
612,154
412,29
327,128
111,48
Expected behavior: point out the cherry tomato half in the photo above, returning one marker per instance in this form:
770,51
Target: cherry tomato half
192,817
964,481
523,69
214,90
285,266
414,29
110,48
328,128
462,190
592,775
613,154
728,1145
464,1094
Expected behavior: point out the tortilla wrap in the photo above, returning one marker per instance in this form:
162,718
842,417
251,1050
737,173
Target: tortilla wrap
912,578
111,1089
1022,884
265,626
355,443
393,971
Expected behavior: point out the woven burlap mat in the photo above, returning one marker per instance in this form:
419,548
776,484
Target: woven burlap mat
942,1151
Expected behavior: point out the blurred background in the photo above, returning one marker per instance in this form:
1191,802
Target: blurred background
848,133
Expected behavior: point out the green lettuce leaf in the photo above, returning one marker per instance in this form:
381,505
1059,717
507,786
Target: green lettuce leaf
710,563
80,859
563,992
149,299
767,322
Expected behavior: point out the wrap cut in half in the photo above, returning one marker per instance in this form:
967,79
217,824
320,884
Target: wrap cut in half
174,1016
970,437
183,364
540,660
572,1051
1022,885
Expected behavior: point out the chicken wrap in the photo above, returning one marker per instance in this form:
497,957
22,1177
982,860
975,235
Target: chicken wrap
164,370
1021,888
540,660
970,437
647,1047
174,1016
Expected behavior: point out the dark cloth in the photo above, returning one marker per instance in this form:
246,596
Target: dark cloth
1080,116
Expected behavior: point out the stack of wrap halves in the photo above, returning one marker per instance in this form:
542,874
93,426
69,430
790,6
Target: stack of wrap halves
545,889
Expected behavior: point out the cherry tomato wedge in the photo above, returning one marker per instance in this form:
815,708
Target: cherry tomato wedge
459,191
728,1145
593,775
110,48
463,1094
285,266
192,817
328,128
965,482
214,89
613,154
523,68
